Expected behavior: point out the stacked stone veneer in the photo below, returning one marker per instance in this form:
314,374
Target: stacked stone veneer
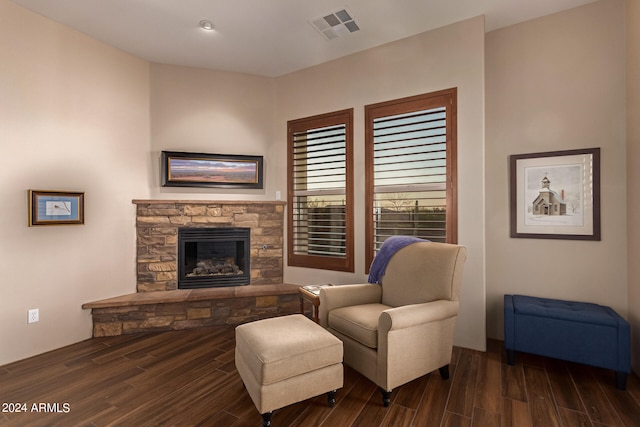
131,316
159,305
157,237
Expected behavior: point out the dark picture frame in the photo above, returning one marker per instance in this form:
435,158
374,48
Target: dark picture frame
48,207
182,169
555,195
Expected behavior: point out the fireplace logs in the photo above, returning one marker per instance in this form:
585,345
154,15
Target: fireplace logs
216,266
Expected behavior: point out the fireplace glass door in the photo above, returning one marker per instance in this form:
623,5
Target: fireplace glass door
213,257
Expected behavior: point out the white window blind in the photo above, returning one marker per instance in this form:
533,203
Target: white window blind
410,173
319,170
410,176
320,215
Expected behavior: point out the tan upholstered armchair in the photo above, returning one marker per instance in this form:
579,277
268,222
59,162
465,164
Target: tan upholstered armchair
402,329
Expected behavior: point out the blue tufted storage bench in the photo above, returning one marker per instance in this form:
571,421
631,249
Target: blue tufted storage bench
574,331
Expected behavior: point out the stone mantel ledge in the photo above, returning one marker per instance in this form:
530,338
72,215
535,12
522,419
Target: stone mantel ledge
208,202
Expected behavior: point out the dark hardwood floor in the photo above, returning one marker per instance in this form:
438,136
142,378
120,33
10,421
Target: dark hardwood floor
188,378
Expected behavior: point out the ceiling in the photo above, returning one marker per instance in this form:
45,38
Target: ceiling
269,37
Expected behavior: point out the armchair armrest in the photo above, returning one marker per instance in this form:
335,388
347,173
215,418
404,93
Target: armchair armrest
414,340
333,297
416,314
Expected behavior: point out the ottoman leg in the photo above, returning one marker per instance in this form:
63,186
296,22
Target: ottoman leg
266,419
331,397
511,357
444,372
621,380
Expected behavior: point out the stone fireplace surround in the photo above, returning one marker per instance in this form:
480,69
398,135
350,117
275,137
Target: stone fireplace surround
157,223
159,305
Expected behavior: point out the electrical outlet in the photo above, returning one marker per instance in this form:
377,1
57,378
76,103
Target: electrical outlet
34,315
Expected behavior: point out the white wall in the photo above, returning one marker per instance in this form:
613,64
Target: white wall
452,56
557,83
73,116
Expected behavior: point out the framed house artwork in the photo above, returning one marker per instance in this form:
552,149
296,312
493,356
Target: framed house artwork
181,169
555,195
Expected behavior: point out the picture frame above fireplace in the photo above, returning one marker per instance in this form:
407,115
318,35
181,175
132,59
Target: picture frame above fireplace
183,169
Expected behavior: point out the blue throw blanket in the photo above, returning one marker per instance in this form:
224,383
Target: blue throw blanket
390,246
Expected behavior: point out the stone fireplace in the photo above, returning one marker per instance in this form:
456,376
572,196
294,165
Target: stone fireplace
161,304
211,257
158,223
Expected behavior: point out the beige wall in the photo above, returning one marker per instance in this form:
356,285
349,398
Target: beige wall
448,57
209,111
219,112
73,116
557,83
88,117
633,173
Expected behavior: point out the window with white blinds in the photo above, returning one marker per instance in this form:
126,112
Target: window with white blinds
320,190
410,149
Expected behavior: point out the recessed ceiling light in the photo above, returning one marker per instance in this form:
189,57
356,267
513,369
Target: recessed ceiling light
206,25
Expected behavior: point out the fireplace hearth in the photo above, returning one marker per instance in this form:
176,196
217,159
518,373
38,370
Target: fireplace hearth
213,257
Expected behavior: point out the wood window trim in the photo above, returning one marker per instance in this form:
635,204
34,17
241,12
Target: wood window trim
311,261
446,97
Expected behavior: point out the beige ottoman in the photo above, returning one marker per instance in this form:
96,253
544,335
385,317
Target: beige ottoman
284,360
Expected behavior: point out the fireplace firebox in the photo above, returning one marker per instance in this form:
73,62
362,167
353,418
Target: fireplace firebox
213,257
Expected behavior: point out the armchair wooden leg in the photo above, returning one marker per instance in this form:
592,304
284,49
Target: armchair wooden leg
386,397
266,419
444,372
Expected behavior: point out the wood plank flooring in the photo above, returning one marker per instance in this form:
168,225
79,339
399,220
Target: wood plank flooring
188,378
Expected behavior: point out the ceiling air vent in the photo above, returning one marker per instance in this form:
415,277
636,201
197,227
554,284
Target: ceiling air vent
336,24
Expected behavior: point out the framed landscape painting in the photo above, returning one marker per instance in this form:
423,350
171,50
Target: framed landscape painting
556,195
181,169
